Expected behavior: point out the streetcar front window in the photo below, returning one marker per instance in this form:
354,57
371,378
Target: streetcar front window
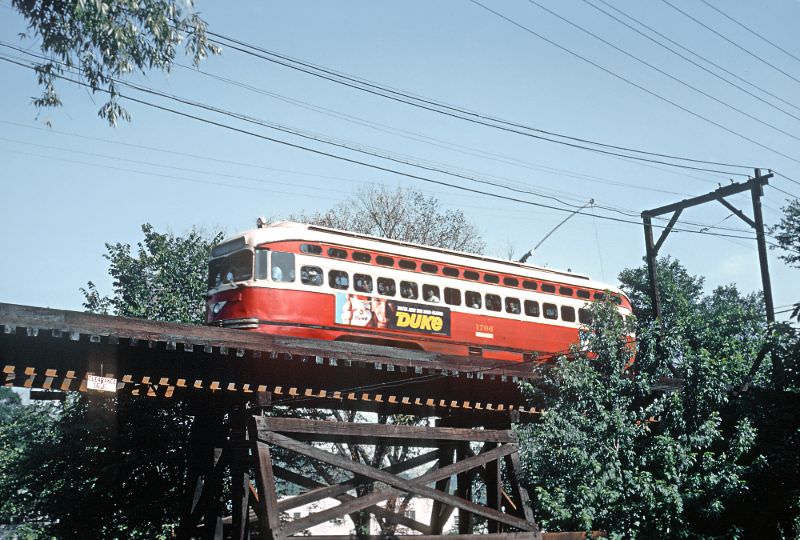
282,266
237,266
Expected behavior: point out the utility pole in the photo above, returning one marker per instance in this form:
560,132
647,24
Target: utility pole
755,186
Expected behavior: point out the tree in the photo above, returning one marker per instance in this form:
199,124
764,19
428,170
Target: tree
787,232
164,281
111,467
404,214
100,41
612,454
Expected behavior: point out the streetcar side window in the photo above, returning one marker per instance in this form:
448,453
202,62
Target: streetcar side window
360,256
429,268
491,278
452,296
409,289
513,306
338,279
531,285
311,248
585,316
337,253
431,293
583,294
546,287
531,308
550,311
362,283
568,313
262,263
311,275
282,266
386,286
510,281
566,291
450,271
469,274
493,302
473,299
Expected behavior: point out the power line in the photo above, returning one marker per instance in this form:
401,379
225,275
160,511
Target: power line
698,55
662,72
742,25
167,176
359,162
634,84
751,53
451,111
316,138
467,150
792,180
783,191
684,57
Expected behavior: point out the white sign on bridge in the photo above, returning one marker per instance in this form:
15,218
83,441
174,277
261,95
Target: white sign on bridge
103,384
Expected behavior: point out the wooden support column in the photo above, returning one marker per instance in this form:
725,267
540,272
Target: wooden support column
494,488
440,512
464,490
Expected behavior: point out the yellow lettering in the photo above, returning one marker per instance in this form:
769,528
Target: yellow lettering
419,322
403,319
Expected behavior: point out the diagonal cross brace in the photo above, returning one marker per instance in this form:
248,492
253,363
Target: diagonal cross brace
399,485
736,211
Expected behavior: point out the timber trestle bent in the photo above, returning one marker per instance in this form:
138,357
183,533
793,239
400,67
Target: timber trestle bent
471,457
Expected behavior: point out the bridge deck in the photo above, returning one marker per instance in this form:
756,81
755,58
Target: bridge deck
57,349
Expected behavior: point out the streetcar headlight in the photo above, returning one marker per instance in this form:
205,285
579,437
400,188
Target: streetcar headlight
218,307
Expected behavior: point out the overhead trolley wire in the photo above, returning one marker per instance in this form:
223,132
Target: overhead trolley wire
634,84
359,162
719,34
742,25
684,57
465,114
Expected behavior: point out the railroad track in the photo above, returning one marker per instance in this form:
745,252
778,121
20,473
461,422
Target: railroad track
58,350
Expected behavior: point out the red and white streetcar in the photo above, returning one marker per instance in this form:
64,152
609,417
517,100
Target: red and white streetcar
314,282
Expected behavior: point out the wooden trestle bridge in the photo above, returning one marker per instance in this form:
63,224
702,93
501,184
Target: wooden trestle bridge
238,381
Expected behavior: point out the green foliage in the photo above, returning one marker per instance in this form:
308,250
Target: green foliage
92,468
787,232
100,41
610,454
726,325
112,467
164,281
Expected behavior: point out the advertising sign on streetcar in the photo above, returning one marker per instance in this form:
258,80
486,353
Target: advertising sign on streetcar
370,312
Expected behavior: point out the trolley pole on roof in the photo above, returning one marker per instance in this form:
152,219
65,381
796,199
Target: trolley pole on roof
570,216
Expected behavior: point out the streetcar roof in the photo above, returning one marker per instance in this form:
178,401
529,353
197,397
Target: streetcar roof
289,230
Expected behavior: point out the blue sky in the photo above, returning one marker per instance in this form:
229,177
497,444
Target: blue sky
71,188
